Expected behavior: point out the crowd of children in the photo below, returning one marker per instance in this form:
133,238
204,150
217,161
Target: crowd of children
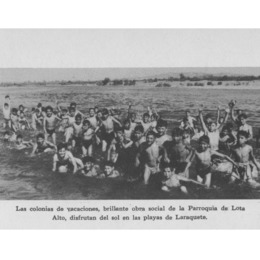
104,143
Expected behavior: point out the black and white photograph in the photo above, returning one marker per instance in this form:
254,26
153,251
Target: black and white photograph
128,133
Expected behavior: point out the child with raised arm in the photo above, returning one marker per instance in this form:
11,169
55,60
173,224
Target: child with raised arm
49,124
188,121
63,160
42,145
203,156
148,157
244,157
7,112
212,130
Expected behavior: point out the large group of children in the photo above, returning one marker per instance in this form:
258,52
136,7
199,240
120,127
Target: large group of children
106,144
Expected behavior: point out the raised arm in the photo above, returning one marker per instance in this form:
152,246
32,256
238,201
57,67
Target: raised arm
204,127
225,119
116,121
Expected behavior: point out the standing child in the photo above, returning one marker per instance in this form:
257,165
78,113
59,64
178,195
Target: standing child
88,138
148,157
161,129
49,124
7,112
14,120
77,131
243,126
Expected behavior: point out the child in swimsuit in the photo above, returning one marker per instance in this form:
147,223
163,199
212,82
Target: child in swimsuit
87,138
42,145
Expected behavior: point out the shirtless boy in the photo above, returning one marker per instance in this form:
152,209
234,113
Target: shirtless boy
161,129
88,135
42,145
49,124
77,131
7,112
148,156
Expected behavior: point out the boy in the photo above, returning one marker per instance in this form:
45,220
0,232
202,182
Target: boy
87,139
14,120
148,157
227,139
109,171
90,169
37,119
161,136
74,105
128,131
77,131
21,144
71,120
64,159
177,154
188,120
119,148
146,123
212,130
63,116
49,124
23,122
173,180
92,118
108,123
243,155
243,126
203,156
42,145
7,112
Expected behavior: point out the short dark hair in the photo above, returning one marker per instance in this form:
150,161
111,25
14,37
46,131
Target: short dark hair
61,146
109,163
105,111
242,133
40,135
151,133
177,131
162,123
73,104
146,114
139,128
88,159
49,108
242,116
78,116
19,136
204,139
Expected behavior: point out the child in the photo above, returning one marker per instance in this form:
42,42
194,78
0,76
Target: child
42,145
243,126
71,120
37,119
177,153
128,131
92,118
146,123
212,130
119,148
90,169
185,125
161,129
74,105
49,124
108,135
64,159
14,120
23,122
21,144
109,171
203,156
227,139
188,121
7,112
243,155
63,116
87,140
21,109
77,131
173,180
9,136
148,157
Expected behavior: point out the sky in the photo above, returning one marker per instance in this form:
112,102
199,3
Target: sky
166,49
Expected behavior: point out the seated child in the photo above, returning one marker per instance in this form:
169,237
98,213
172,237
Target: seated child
148,157
161,136
63,160
88,138
42,145
173,180
244,157
90,169
203,156
21,144
9,136
109,171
